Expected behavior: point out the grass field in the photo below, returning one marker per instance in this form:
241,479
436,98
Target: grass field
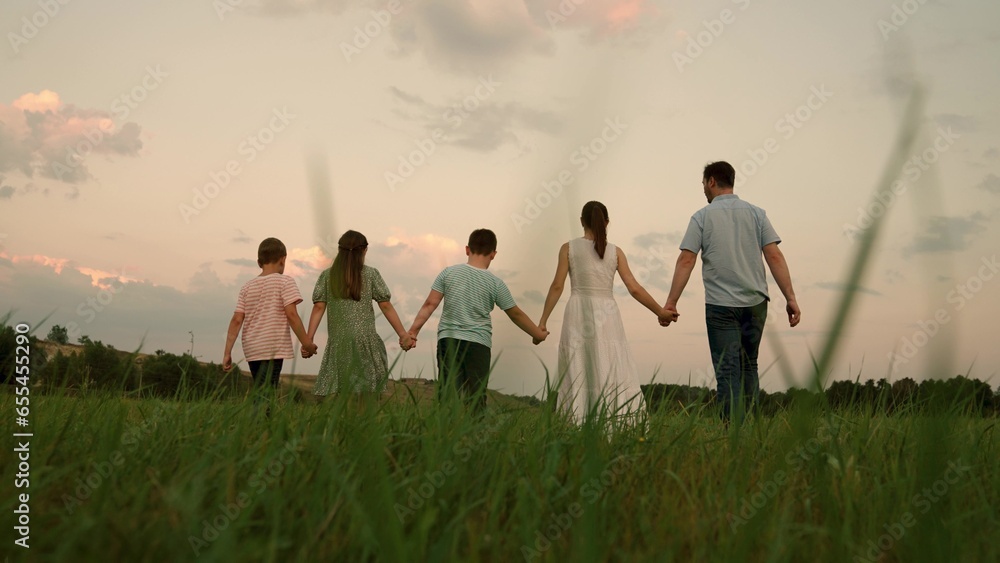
151,480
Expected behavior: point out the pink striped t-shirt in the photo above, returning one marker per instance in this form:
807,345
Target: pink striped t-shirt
266,334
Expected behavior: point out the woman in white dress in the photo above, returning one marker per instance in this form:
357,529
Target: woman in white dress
596,368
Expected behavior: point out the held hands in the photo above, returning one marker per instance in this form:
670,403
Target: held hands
309,350
668,315
540,337
408,341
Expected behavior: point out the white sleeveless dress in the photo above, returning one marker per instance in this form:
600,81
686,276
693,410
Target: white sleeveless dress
595,361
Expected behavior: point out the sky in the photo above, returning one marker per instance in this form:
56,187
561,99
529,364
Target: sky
147,148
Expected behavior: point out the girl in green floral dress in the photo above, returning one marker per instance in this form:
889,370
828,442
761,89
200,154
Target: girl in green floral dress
355,359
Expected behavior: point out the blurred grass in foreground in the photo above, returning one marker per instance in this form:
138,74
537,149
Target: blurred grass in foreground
159,480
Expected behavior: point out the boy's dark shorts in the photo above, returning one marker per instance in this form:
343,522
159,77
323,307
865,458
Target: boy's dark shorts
266,372
463,364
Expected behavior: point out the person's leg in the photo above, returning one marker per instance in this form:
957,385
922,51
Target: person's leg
477,375
449,367
266,377
752,330
724,343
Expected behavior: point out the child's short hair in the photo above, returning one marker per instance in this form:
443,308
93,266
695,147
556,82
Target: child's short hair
270,251
482,242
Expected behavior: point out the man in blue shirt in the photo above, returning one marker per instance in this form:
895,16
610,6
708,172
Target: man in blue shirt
732,235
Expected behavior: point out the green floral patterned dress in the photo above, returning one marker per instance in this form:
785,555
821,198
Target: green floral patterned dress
355,359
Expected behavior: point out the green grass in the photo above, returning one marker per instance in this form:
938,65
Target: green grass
343,482
114,479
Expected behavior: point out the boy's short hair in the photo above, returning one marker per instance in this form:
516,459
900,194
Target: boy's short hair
482,242
270,251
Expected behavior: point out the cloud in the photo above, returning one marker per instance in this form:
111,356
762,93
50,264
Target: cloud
840,286
947,234
243,262
648,241
652,257
6,192
477,34
992,153
534,296
242,237
472,35
123,313
98,278
958,122
475,122
990,183
42,135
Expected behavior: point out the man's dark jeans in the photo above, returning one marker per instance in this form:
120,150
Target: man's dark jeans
734,335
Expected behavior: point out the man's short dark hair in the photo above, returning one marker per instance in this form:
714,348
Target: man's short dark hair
722,171
270,251
482,242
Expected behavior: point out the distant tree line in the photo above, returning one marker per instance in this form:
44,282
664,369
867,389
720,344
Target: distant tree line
98,366
956,394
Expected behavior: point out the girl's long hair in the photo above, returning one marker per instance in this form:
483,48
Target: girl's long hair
595,217
345,274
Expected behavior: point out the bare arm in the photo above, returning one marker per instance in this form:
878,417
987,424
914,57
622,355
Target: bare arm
682,273
779,270
526,324
292,313
638,292
389,312
426,310
315,317
558,283
235,324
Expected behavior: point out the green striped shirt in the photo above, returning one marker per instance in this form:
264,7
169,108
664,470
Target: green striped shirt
470,294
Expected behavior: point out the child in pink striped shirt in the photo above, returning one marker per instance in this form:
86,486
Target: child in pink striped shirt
265,309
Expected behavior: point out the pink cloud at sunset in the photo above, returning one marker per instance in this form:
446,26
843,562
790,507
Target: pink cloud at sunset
98,277
44,136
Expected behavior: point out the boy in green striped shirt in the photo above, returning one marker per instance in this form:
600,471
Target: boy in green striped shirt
465,331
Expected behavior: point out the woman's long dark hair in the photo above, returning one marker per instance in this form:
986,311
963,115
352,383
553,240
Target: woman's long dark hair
345,275
595,217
